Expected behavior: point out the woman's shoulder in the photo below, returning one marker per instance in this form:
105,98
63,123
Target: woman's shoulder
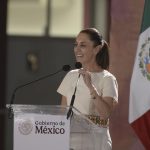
109,78
107,74
73,73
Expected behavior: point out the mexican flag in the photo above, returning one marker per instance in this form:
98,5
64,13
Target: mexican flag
139,105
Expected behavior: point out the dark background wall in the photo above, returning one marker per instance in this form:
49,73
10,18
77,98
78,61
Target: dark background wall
51,53
3,54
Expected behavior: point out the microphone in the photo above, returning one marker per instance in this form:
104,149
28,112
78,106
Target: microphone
10,111
78,65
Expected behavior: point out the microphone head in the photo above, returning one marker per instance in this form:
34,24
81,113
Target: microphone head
66,68
78,65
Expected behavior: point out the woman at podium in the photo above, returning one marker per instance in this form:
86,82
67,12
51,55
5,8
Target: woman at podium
95,88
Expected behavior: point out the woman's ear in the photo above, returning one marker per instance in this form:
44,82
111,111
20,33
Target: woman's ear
97,48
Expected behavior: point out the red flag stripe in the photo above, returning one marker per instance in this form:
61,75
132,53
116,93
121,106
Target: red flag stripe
141,127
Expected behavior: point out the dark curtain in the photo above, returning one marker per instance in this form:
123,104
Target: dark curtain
3,14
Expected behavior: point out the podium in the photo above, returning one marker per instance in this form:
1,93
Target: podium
46,127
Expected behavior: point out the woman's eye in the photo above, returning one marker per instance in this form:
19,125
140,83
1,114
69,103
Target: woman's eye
82,45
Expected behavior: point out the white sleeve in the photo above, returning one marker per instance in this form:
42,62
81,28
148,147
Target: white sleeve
63,87
66,84
110,88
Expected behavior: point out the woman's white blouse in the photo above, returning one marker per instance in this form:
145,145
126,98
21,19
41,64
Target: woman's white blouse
104,82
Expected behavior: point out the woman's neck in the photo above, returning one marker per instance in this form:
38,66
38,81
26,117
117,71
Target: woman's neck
92,68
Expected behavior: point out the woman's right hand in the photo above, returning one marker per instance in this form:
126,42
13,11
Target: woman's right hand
86,77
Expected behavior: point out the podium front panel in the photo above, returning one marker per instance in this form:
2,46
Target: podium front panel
40,128
44,127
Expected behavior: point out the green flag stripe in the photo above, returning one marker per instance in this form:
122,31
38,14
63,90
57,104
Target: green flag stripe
146,16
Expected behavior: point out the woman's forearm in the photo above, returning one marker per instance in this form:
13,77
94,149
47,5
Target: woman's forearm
101,105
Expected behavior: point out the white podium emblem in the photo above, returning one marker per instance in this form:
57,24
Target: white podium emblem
25,126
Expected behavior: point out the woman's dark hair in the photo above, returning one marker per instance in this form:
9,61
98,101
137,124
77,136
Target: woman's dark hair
102,57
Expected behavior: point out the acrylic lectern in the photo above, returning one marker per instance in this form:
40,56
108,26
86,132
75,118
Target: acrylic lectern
46,127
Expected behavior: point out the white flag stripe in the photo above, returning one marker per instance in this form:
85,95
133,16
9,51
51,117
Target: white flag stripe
140,86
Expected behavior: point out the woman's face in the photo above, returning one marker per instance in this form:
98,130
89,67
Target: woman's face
84,49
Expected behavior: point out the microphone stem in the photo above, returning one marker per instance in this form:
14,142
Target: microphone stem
36,80
10,110
21,86
70,112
